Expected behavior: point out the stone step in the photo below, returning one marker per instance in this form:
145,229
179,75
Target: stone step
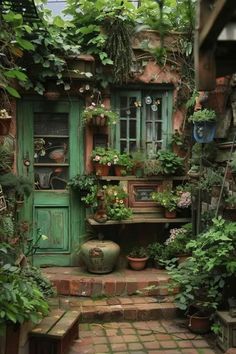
129,308
75,281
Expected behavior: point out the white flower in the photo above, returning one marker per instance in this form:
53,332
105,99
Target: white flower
108,164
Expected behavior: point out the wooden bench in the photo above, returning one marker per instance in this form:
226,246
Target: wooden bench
54,334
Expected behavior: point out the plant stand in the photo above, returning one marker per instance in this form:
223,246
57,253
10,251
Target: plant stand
226,337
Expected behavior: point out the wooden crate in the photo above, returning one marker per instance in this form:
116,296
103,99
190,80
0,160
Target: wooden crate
226,338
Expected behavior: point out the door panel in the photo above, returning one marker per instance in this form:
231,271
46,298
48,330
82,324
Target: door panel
55,151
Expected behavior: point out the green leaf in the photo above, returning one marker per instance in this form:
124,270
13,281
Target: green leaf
25,44
58,21
12,91
16,74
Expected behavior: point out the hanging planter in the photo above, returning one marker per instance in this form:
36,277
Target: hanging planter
98,121
204,132
204,125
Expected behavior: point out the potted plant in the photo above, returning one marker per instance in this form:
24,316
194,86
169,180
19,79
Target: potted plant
168,199
204,125
185,199
5,122
155,252
99,115
82,183
138,158
137,258
202,279
176,243
151,167
115,201
103,159
169,163
123,164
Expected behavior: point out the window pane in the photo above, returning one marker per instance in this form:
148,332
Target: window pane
51,124
123,106
123,128
132,107
149,132
123,146
51,150
158,131
132,146
132,129
51,177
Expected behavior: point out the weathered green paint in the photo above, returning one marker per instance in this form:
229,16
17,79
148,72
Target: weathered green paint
57,213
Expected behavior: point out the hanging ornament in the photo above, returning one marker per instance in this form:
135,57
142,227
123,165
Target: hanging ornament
137,104
148,100
154,107
128,112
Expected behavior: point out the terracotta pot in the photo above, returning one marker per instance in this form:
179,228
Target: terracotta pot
137,263
118,170
198,323
170,214
101,170
5,125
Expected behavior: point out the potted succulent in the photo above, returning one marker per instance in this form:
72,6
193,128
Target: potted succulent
99,115
137,258
5,122
168,199
204,125
103,159
123,164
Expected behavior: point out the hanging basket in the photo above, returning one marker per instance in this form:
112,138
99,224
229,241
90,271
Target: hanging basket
98,121
204,132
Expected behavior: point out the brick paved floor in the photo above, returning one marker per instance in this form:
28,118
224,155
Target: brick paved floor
141,337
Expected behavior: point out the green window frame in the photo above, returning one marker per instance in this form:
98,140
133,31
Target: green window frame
145,120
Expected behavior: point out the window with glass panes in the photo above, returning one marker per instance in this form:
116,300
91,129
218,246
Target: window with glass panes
145,120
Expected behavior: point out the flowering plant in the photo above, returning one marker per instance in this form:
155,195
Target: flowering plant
167,199
115,203
184,200
4,114
178,240
104,156
95,110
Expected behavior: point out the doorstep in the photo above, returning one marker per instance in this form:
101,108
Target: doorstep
129,308
76,281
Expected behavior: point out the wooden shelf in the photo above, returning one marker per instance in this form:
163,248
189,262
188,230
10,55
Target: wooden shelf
144,179
49,164
139,220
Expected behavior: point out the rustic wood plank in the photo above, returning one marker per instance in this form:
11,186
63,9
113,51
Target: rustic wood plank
65,323
47,323
139,220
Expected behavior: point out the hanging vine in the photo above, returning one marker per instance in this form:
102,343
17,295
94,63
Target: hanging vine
119,48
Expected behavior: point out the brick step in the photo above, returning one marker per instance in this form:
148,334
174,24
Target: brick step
130,308
74,281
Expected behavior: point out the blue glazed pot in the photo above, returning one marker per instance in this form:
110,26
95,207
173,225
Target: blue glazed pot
204,132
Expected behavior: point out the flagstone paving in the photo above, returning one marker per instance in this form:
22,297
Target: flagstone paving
141,337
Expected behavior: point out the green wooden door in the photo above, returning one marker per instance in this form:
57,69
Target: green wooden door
50,151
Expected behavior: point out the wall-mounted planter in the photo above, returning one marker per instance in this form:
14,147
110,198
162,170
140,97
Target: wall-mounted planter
204,132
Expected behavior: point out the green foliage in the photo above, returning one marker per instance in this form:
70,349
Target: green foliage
155,250
138,252
34,275
125,161
203,115
151,167
210,178
202,277
230,201
99,110
20,298
118,211
167,199
170,163
104,156
6,159
82,182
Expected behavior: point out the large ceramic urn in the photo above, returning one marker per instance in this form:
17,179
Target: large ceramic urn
100,256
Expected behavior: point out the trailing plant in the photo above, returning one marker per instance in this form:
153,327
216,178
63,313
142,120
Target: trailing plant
90,199
82,183
170,163
95,110
203,115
